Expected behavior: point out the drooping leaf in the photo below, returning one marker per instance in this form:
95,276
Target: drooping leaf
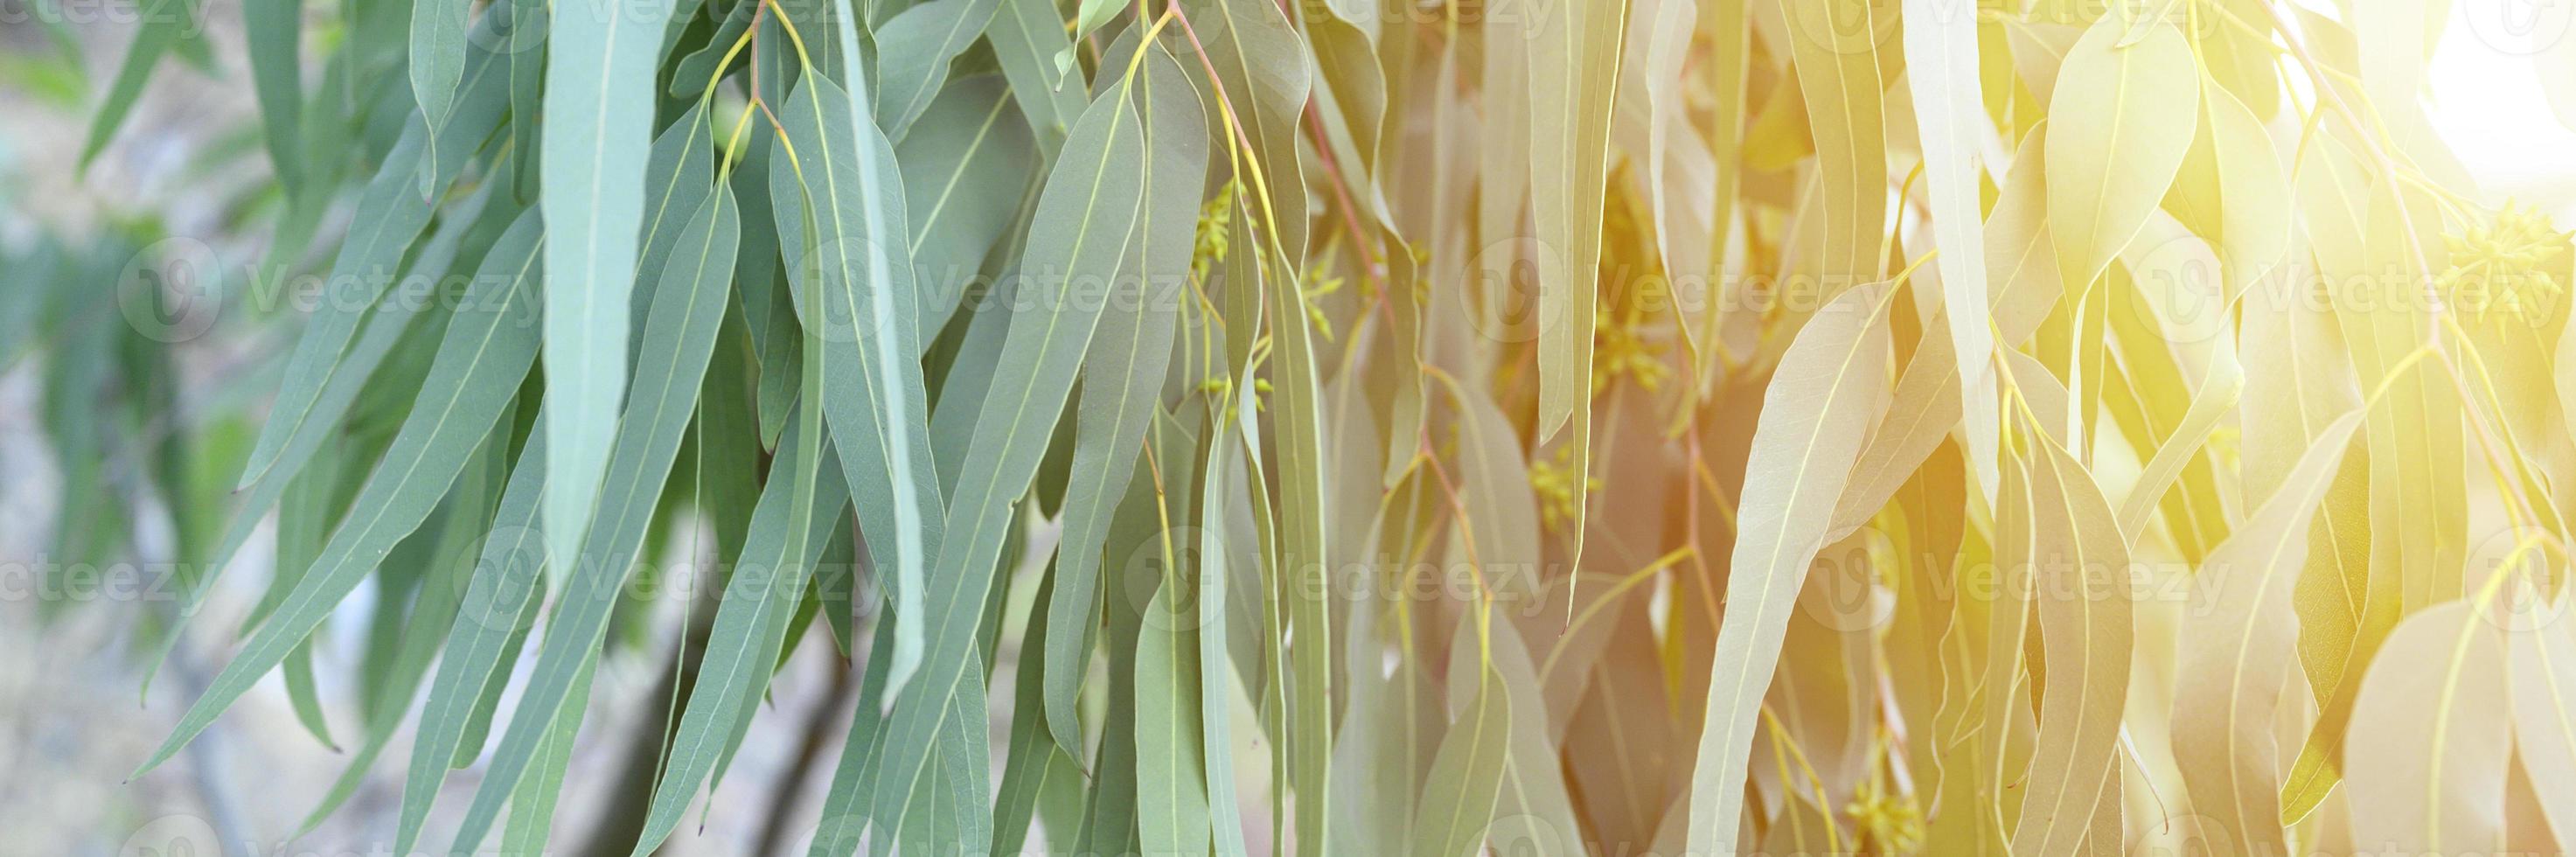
2239,642
841,213
274,31
498,609
1087,212
1815,414
480,363
598,106
1122,380
2087,626
2120,122
1950,108
2434,716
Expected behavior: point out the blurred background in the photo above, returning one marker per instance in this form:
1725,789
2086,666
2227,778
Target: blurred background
140,331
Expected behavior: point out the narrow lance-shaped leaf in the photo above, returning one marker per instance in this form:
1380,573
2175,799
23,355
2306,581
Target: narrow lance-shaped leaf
1232,458
598,108
1533,809
679,174
2120,121
164,24
437,60
1035,765
2347,597
1109,822
448,554
1950,108
665,392
1268,83
480,363
2239,643
532,804
968,164
1815,414
797,509
388,329
1925,407
507,580
845,801
389,215
841,226
1122,380
2218,394
1026,35
1085,218
1574,59
2080,579
1171,787
1467,774
914,50
1834,48
274,30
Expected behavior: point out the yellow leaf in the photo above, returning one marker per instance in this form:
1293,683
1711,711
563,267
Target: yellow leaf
2430,743
2121,120
2238,641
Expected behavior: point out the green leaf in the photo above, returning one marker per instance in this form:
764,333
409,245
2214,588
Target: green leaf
1109,824
1171,773
532,804
967,164
841,223
390,213
314,503
499,608
437,59
796,512
390,217
164,24
914,49
480,364
1268,82
1035,765
665,391
598,110
1122,381
1225,488
450,556
1467,775
689,76
1026,36
274,31
1085,218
